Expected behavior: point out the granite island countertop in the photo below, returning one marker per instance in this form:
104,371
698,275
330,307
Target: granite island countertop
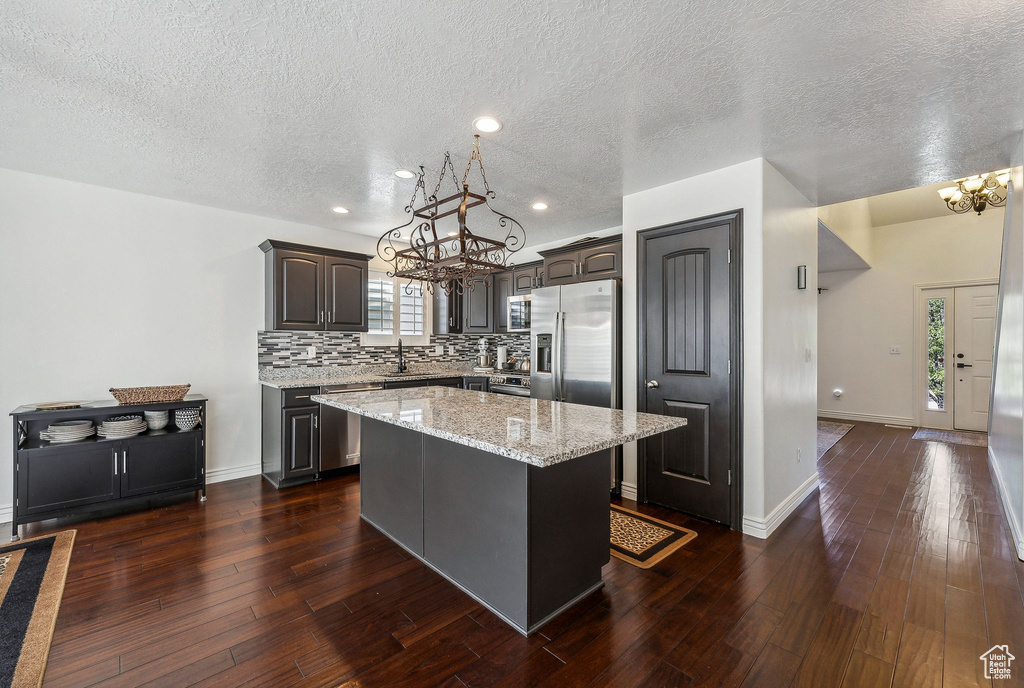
534,431
290,378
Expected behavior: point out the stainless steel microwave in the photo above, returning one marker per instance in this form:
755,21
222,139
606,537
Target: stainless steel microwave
519,313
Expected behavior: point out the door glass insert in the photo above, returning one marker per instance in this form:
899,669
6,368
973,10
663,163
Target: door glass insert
936,354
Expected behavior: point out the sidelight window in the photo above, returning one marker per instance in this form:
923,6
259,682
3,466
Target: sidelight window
936,354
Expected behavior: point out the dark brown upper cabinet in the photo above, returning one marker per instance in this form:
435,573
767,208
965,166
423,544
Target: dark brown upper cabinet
345,299
583,261
478,306
503,289
312,288
447,311
525,279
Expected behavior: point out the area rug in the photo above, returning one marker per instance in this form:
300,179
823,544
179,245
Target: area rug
971,439
644,541
32,574
829,433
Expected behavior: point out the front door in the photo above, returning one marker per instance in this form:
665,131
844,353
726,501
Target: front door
689,334
974,338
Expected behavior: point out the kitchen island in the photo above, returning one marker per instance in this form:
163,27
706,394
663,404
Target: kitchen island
506,497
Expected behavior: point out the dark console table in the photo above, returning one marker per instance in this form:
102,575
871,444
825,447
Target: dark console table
53,480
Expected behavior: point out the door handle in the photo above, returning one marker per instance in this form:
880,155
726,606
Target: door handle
964,365
653,384
124,462
115,463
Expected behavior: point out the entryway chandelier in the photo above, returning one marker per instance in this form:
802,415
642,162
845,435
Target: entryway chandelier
977,193
451,256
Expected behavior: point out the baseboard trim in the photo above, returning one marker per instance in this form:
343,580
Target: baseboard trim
866,418
762,528
1016,532
220,475
628,490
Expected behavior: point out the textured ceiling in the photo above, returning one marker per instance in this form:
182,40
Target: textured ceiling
288,108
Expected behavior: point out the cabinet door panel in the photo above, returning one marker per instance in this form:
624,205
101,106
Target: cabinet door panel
602,262
162,462
561,269
524,279
301,441
502,290
345,300
73,476
447,312
298,290
478,306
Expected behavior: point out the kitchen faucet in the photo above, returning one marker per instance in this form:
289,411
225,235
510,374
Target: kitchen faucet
402,367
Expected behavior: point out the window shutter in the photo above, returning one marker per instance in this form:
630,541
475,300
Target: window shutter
411,309
381,303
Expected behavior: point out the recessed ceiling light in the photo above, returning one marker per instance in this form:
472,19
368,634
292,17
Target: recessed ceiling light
540,205
404,174
339,209
487,125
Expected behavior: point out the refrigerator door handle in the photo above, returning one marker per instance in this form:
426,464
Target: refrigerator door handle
561,357
556,357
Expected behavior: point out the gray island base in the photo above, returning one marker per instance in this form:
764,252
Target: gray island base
526,531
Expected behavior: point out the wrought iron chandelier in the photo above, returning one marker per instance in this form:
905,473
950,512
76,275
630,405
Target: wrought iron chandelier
977,193
451,256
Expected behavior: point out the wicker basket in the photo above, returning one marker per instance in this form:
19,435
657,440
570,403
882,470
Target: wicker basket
149,395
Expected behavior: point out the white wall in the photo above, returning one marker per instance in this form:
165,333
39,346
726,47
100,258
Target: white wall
102,288
864,312
851,222
1006,421
790,225
769,276
724,190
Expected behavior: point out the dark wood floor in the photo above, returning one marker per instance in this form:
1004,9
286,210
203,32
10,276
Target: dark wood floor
899,572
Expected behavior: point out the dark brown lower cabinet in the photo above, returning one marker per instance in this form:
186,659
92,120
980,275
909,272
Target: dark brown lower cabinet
62,480
301,442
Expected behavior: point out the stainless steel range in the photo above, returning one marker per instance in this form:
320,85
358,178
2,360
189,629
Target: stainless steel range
517,385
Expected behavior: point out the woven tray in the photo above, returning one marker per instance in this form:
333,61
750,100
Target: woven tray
149,395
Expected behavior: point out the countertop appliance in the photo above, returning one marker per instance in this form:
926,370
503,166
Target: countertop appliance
575,340
516,385
339,430
519,313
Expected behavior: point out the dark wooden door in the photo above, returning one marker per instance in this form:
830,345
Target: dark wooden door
69,477
478,306
689,332
447,311
301,442
345,299
524,280
561,269
162,462
601,262
298,290
503,288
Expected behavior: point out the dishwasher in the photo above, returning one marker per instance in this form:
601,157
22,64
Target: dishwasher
339,430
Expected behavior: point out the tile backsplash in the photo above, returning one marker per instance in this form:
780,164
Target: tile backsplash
280,349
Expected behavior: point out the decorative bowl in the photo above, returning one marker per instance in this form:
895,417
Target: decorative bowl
186,418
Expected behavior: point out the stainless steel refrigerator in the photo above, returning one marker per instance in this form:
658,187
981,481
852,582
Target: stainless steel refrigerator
575,343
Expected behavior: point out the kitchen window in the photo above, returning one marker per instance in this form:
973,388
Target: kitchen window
398,309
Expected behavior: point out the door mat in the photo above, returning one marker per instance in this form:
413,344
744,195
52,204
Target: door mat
829,433
32,575
971,439
644,541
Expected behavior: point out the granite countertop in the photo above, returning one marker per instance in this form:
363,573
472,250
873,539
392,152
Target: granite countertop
289,378
535,431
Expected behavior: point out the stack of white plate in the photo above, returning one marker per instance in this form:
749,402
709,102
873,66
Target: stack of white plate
68,431
122,426
156,420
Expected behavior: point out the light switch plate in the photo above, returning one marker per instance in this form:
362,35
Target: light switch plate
310,351
439,350
451,349
895,350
